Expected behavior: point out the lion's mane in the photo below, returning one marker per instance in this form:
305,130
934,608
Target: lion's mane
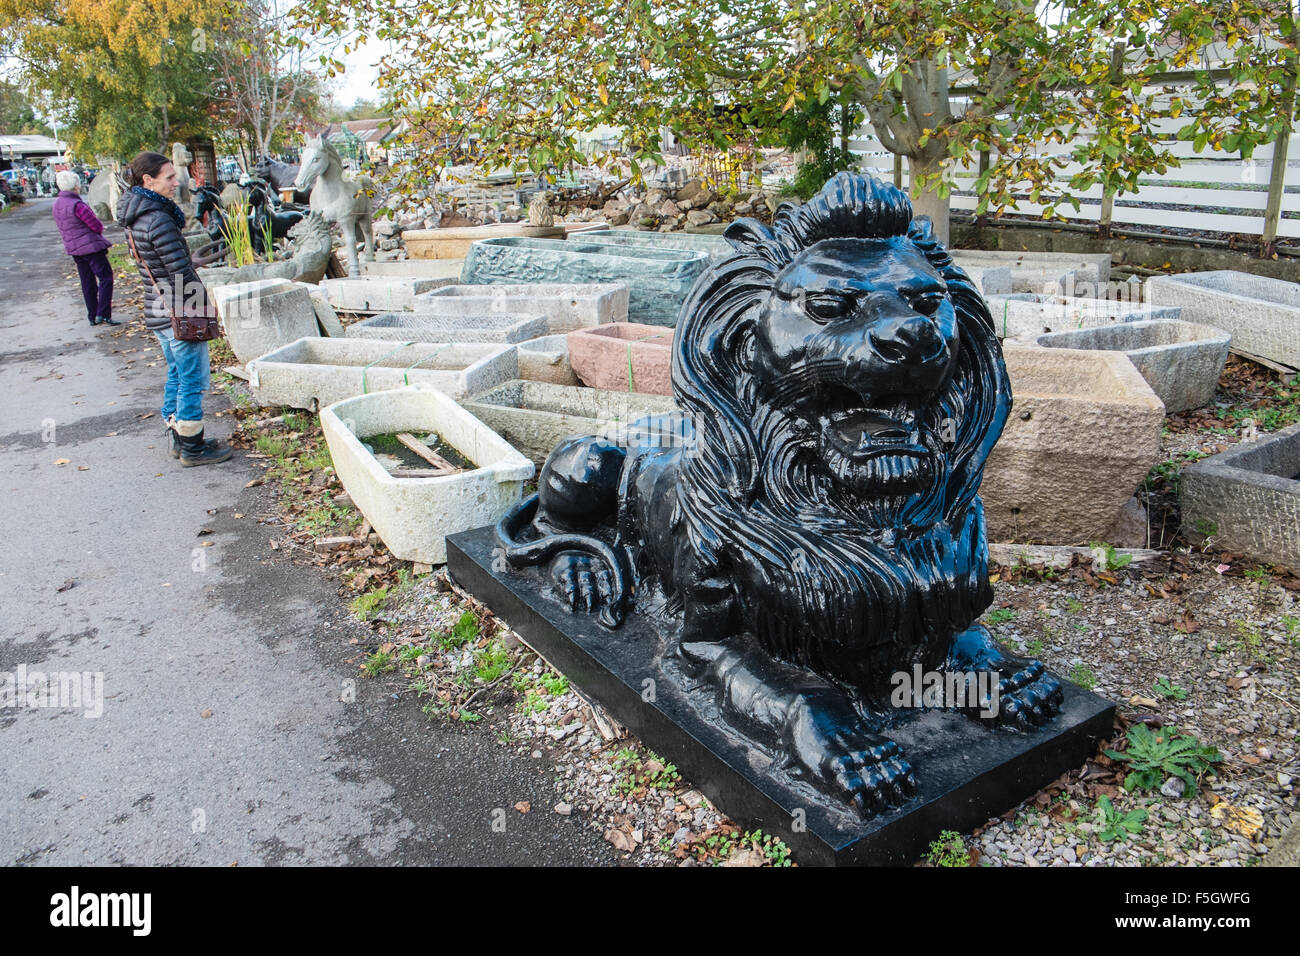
829,588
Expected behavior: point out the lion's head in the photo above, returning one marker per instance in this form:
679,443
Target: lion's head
846,387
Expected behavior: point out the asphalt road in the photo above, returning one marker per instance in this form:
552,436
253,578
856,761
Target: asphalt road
102,573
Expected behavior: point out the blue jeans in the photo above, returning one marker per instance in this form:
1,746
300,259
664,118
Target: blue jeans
188,377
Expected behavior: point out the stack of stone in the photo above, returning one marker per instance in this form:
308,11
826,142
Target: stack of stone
693,205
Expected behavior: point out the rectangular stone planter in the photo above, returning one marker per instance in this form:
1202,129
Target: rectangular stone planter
624,357
1247,498
535,416
413,269
1083,433
567,306
546,359
454,241
413,516
715,247
260,317
657,278
425,327
326,318
1051,273
1262,315
379,293
312,373
1022,316
1181,361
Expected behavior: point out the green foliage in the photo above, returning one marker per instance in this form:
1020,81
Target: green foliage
1082,675
815,127
1116,825
1154,755
1164,688
1072,606
462,632
632,774
554,684
1114,560
492,662
949,850
368,605
380,662
1000,616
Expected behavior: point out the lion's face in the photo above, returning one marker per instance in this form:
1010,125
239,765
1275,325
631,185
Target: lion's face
856,342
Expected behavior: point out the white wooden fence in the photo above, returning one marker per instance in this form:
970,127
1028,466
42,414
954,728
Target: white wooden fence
1209,191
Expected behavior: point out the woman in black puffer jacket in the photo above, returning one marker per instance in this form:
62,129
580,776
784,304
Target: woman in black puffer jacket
155,223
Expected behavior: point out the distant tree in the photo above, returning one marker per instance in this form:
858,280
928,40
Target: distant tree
16,112
128,75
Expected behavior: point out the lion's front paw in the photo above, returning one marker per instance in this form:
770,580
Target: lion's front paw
1029,697
583,582
829,742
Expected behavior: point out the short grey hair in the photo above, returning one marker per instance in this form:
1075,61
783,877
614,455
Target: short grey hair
68,181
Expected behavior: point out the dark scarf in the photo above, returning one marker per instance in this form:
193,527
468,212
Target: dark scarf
171,207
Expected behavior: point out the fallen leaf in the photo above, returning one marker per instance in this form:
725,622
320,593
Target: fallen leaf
83,468
1244,820
622,841
205,714
66,585
1138,701
523,806
62,461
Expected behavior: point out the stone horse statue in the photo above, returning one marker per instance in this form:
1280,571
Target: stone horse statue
341,199
281,176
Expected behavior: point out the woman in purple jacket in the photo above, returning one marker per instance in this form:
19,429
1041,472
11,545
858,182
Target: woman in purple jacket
83,239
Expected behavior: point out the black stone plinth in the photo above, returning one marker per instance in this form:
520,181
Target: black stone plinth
966,773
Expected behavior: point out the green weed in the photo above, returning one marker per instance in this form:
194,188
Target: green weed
1154,755
1116,825
949,850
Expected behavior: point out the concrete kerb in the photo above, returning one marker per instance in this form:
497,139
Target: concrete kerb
311,373
413,516
1181,361
1247,498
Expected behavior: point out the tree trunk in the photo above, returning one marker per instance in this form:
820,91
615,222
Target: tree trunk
928,202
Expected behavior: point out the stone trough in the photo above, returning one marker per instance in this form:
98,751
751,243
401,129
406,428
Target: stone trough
431,327
624,357
413,269
453,242
1068,273
1083,434
1262,314
379,293
312,373
535,416
1247,498
260,317
567,306
715,247
1020,316
413,516
657,278
546,359
1181,361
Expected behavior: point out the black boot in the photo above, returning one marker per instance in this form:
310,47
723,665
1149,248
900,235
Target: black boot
196,451
173,440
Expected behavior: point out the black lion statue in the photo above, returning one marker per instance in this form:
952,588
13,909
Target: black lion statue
811,526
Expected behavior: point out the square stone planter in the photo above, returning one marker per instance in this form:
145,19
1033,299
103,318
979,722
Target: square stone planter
624,357
657,278
454,241
260,317
425,327
1247,498
313,373
413,516
1021,316
1084,431
567,306
546,359
1261,314
1181,361
535,416
379,293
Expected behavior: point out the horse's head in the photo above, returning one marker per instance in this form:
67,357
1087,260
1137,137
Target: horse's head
316,156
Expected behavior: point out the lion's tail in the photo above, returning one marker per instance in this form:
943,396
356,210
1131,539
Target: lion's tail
523,554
